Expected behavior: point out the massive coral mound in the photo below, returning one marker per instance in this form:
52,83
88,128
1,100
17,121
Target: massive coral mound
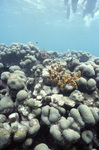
48,100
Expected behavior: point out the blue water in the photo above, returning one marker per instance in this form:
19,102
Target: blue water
49,23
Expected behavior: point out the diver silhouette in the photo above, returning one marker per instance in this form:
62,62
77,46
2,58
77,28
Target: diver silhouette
87,7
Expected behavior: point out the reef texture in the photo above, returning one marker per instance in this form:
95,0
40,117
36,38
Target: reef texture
48,100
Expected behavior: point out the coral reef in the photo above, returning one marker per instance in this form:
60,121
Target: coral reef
46,103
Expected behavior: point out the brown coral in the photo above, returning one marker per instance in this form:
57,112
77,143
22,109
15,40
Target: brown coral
58,77
45,55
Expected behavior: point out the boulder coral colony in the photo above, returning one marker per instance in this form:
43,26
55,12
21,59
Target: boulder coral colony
48,100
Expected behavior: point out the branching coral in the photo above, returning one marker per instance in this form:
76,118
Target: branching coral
45,55
58,77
